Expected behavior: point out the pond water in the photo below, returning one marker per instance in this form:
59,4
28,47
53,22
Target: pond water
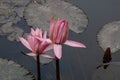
76,64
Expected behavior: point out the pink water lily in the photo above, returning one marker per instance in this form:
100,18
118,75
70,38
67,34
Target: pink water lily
37,46
59,34
38,33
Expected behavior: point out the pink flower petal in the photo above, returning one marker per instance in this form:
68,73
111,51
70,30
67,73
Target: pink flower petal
33,42
32,32
62,31
45,46
47,56
42,46
48,40
74,44
58,51
25,43
31,54
41,39
45,35
49,47
38,32
52,24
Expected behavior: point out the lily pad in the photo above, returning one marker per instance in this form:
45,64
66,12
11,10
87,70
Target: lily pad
7,13
10,70
6,28
109,36
12,32
12,10
19,6
38,14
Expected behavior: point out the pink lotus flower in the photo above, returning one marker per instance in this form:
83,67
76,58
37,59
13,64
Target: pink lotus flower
37,46
38,34
59,34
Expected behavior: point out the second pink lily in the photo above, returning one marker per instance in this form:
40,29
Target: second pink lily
59,34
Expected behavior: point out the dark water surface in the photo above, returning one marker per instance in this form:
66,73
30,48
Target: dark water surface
76,64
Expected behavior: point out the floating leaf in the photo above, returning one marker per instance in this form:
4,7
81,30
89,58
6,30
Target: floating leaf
6,13
12,32
109,36
12,10
7,28
38,14
19,6
9,70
